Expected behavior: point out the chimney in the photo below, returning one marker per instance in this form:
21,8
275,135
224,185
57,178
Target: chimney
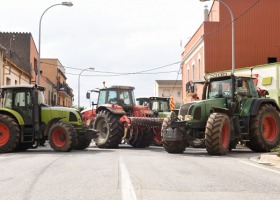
206,16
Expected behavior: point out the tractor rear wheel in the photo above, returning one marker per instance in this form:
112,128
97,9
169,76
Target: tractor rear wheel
9,134
109,129
172,146
62,137
217,134
264,129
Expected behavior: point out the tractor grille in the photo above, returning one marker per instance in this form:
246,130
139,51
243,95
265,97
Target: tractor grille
184,109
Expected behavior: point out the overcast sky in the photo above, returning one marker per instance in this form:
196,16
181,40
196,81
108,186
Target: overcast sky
119,36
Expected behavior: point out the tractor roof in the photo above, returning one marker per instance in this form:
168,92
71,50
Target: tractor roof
119,87
229,77
153,98
22,86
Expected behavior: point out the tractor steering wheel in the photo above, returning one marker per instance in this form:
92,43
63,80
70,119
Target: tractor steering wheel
226,93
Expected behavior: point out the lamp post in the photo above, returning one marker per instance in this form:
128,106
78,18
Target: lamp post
91,68
69,4
232,33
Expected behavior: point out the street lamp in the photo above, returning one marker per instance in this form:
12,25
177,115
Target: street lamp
232,32
91,68
69,4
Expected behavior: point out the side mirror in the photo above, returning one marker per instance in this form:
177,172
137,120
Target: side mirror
192,89
239,83
189,87
88,95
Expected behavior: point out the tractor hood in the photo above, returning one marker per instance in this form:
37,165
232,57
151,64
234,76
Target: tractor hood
65,114
199,110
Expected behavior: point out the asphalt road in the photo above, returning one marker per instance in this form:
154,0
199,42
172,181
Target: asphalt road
128,174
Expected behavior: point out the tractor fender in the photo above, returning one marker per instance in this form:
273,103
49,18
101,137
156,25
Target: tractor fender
13,114
221,110
49,125
256,103
112,108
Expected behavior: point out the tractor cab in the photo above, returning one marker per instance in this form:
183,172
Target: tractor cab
117,95
21,99
159,105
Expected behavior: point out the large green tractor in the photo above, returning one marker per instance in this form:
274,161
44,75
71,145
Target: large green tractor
26,120
231,111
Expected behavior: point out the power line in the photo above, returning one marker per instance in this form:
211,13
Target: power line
176,79
104,75
117,73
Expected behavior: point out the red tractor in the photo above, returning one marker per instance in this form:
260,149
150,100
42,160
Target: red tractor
117,118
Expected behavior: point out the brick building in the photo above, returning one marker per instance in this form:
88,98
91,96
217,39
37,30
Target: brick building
20,67
257,38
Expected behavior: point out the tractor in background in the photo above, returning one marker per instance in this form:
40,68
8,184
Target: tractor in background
161,109
25,119
118,119
231,111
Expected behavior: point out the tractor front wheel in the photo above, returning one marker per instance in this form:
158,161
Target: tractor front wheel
62,137
175,146
82,143
264,129
217,134
9,134
109,129
172,146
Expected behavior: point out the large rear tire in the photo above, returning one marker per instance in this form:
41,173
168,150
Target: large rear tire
172,146
110,129
9,134
264,129
217,134
62,137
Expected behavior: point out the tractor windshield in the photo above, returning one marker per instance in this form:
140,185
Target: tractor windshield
220,89
160,105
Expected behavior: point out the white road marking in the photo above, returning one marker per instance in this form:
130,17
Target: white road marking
128,192
257,166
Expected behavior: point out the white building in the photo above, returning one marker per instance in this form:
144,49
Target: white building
168,88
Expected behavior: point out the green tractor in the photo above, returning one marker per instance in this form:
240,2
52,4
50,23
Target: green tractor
231,111
26,120
159,105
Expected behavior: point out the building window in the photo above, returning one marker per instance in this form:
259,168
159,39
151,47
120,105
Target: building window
193,71
178,93
166,93
15,82
198,69
271,60
8,81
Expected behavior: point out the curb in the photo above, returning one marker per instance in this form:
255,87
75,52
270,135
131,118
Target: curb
270,158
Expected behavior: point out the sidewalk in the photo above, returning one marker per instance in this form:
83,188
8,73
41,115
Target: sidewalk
271,158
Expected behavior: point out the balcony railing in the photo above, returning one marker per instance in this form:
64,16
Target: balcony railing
63,88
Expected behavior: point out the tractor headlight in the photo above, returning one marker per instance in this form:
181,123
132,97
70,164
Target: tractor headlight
188,117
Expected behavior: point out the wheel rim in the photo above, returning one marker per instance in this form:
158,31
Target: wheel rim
102,128
157,137
225,134
4,134
269,128
59,137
